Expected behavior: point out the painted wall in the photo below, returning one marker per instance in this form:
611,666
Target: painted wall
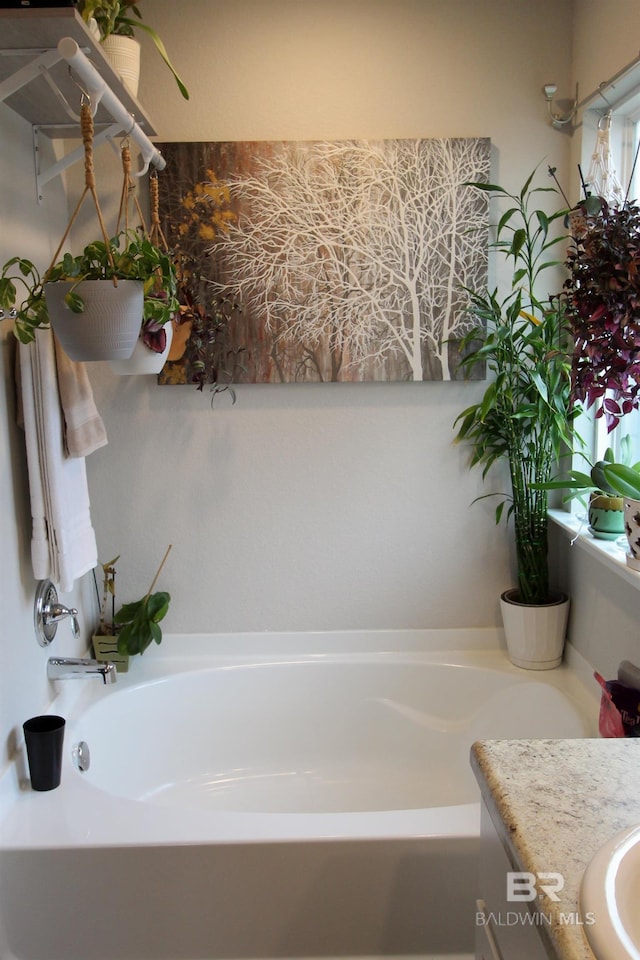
306,507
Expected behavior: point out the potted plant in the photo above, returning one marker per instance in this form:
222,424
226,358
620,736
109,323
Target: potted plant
525,415
605,505
602,295
114,21
105,637
625,480
134,626
76,289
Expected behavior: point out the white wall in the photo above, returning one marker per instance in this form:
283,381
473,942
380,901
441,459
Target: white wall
32,231
339,505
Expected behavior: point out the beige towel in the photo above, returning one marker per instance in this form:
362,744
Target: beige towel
84,430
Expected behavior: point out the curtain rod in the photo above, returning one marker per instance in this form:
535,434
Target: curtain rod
609,83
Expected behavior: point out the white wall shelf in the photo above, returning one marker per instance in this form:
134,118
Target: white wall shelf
46,57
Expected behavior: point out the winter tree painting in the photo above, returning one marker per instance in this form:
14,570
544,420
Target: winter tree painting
326,261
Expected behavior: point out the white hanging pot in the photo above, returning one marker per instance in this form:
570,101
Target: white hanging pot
109,325
124,55
535,633
143,360
632,530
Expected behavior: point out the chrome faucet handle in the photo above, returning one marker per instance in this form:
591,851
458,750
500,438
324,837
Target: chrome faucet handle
55,612
47,614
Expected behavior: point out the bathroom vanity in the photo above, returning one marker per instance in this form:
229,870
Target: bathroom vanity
547,807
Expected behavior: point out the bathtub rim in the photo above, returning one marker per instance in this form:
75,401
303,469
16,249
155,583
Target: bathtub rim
65,821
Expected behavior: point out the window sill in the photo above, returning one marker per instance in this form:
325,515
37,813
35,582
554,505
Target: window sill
606,552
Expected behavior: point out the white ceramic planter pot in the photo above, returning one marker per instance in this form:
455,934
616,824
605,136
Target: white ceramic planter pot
632,530
124,55
109,325
535,634
143,360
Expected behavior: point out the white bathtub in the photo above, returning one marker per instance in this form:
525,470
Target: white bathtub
261,796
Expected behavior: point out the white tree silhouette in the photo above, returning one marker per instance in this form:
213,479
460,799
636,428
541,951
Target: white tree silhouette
354,255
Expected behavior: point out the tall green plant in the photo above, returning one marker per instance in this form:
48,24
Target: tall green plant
525,414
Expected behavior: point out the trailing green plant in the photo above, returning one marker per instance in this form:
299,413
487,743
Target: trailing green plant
129,256
525,414
112,17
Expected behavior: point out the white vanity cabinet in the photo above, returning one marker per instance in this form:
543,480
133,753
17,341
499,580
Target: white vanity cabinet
505,929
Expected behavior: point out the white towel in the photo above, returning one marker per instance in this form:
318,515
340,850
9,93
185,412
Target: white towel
63,542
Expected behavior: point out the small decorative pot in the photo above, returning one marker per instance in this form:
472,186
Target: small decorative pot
143,360
123,53
606,516
632,530
105,648
535,633
109,325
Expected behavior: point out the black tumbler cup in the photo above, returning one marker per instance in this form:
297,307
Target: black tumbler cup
44,737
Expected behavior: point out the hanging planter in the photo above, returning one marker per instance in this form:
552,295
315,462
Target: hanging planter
144,360
98,301
107,328
154,343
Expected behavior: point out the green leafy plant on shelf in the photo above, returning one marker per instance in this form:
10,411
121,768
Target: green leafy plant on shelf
113,17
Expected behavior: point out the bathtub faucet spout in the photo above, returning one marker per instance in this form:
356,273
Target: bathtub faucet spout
72,668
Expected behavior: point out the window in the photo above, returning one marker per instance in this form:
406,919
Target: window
624,135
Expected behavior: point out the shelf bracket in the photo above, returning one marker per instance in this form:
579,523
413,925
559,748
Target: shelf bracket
19,79
96,89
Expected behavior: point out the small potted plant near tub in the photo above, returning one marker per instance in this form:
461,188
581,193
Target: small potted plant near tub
129,281
134,626
524,417
116,29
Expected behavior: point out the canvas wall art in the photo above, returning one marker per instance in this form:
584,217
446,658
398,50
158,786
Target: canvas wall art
324,261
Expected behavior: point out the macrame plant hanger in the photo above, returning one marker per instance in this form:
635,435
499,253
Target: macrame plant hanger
89,324
156,235
128,191
602,179
86,127
154,337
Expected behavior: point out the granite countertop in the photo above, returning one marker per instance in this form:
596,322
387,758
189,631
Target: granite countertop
555,802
